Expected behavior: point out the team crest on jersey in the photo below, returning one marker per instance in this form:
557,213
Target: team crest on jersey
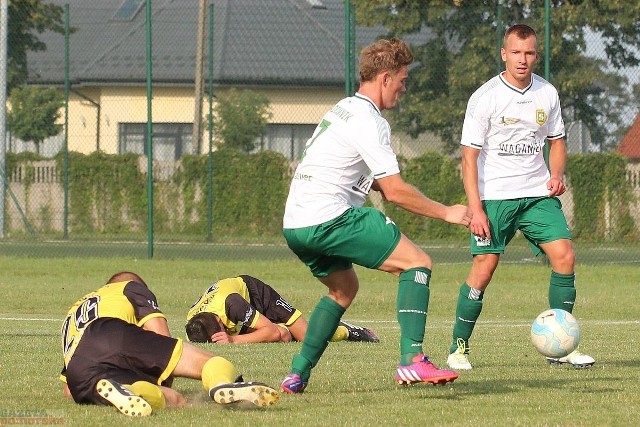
541,117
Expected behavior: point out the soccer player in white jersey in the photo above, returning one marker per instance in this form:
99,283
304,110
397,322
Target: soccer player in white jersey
510,187
326,226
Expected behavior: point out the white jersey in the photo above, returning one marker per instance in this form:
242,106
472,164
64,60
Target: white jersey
510,126
350,147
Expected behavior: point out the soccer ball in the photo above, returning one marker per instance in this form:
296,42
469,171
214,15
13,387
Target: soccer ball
555,333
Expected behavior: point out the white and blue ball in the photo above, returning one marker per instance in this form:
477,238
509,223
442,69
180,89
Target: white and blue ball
555,333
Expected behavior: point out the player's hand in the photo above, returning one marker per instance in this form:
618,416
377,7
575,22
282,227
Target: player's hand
556,187
221,338
479,225
458,214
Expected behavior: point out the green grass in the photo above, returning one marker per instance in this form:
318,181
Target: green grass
353,383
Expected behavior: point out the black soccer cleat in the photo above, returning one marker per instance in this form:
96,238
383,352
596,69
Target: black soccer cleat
360,334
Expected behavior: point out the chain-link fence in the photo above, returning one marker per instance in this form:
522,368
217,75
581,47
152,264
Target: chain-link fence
130,77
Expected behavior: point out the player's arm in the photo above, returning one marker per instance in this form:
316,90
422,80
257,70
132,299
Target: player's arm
147,312
557,162
65,390
479,223
259,328
159,325
263,331
408,197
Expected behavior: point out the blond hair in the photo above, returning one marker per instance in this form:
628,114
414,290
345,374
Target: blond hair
384,55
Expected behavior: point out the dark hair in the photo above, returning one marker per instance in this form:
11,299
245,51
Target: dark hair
126,276
384,55
522,31
201,326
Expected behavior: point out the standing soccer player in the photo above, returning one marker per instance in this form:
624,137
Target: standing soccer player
509,186
326,226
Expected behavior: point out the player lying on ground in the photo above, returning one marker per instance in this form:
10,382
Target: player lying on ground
118,351
244,309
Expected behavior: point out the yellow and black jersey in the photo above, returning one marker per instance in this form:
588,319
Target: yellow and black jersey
230,300
240,301
129,301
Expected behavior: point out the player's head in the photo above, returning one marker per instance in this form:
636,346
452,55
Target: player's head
126,276
520,54
520,31
384,68
384,55
201,326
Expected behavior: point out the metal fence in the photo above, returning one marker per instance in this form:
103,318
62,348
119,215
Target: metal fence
151,95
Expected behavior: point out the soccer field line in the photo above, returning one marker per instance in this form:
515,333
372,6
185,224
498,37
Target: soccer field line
390,323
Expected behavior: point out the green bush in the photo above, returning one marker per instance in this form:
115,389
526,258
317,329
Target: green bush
108,196
438,177
249,193
599,181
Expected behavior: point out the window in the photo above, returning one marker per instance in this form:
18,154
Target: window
170,140
128,10
286,139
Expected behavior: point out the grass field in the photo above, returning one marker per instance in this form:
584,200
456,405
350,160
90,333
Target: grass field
353,384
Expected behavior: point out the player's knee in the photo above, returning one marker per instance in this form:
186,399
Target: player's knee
569,259
422,259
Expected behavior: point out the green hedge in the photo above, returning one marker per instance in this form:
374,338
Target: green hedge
599,183
249,193
438,177
108,195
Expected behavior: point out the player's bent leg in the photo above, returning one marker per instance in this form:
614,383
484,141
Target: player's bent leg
149,392
561,255
125,401
298,328
405,256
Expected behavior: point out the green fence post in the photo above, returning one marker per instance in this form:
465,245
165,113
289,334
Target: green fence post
65,153
210,160
149,135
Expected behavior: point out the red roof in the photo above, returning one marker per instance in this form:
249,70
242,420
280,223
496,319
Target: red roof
630,144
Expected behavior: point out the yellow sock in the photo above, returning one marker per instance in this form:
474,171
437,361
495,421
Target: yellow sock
341,334
149,392
216,371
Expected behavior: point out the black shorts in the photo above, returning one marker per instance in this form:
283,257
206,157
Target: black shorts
269,302
114,349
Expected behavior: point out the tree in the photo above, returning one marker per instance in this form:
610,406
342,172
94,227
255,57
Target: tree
241,116
462,53
33,113
27,17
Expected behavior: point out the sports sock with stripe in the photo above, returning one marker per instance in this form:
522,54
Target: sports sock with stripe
562,291
412,305
322,325
468,310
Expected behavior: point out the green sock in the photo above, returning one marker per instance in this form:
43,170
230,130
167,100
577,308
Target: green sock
562,291
468,310
412,305
322,325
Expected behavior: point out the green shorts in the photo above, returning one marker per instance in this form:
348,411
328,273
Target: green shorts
540,219
363,236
